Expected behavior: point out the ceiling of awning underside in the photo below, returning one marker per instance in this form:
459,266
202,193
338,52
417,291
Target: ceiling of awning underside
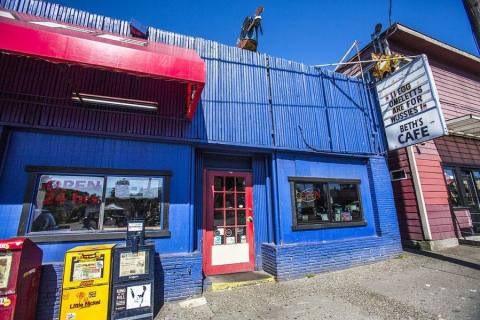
468,126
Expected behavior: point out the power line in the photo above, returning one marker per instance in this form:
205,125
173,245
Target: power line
390,13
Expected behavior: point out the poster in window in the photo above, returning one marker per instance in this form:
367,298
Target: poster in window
122,189
217,240
120,296
133,263
5,264
87,267
346,216
139,296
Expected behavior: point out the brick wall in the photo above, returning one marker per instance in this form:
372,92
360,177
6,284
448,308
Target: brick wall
182,275
177,276
292,261
289,261
48,305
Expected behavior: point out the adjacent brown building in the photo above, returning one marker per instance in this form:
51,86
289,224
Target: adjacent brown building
437,183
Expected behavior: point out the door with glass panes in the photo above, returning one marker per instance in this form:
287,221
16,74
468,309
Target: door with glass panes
469,180
228,223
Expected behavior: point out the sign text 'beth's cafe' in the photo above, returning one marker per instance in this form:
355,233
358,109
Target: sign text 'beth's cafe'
410,107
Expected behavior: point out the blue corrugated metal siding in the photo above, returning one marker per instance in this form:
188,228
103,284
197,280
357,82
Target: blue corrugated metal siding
298,103
335,113
234,105
198,198
260,207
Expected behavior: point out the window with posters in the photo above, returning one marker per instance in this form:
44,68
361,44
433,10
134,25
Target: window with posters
65,202
319,203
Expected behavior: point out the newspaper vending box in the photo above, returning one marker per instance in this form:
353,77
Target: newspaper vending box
86,282
20,267
133,276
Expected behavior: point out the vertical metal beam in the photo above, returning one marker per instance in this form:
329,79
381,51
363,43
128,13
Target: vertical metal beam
276,205
4,139
270,103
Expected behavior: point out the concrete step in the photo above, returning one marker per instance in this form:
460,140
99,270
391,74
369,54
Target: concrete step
234,280
470,240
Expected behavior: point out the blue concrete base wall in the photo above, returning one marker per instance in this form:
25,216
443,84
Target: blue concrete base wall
177,276
182,275
291,261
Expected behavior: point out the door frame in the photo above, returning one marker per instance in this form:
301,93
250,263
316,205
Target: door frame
207,230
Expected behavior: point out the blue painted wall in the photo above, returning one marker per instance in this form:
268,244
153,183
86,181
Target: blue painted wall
305,252
298,165
261,202
334,112
309,107
29,148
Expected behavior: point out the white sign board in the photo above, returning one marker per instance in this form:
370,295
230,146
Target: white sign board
410,107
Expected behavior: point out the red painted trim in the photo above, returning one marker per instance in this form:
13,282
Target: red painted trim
208,269
12,244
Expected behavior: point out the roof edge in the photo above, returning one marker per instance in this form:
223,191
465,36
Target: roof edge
398,27
403,28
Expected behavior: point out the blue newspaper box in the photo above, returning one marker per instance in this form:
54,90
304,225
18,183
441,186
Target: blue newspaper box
133,277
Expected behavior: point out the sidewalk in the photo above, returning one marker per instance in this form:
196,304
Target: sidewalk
412,286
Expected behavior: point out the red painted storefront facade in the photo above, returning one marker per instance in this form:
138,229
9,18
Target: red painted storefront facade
457,78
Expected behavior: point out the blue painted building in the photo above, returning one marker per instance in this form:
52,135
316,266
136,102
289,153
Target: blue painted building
280,168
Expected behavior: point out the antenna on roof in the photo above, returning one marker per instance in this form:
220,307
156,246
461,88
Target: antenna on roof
376,41
248,38
389,13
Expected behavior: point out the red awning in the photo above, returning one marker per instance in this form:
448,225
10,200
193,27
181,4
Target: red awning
63,43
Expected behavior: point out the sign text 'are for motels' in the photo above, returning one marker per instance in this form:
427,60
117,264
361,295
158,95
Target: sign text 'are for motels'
410,107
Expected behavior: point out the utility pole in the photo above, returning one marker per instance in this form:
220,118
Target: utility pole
473,11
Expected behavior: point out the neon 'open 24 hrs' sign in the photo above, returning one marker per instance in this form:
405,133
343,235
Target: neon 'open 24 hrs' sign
410,107
307,195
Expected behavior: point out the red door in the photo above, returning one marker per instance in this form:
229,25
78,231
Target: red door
228,223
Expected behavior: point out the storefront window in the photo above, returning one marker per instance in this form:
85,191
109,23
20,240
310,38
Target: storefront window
463,186
325,202
132,198
97,202
67,203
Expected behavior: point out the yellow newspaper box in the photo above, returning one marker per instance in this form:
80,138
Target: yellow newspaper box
86,282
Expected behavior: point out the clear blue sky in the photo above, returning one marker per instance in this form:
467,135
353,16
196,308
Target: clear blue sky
312,32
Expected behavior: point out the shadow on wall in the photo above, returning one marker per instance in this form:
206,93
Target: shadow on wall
159,297
48,303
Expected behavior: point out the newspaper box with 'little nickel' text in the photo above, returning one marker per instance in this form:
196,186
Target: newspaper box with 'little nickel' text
86,282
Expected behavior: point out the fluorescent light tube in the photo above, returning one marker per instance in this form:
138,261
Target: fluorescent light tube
114,102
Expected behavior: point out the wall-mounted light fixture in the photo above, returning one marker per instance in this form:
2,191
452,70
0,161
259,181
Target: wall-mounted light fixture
90,99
